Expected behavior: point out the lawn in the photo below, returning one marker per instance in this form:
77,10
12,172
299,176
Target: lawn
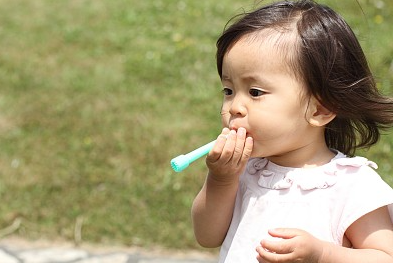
96,97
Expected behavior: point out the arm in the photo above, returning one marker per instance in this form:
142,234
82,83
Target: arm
371,237
213,207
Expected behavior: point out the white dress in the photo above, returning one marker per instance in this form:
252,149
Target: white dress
323,201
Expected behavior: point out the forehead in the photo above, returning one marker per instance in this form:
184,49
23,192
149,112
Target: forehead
268,48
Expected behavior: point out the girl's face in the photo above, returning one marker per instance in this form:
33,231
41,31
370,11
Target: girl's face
264,97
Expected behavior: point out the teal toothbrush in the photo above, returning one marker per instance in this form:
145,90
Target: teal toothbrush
181,162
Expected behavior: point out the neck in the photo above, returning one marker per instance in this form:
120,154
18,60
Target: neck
307,156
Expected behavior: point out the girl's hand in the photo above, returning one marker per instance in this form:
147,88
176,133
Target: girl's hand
296,246
229,155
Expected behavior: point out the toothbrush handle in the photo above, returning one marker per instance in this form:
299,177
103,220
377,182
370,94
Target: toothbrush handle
201,151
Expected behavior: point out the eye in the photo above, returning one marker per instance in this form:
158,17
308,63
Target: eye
256,92
227,91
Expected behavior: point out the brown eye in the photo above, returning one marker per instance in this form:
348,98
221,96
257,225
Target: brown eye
256,92
227,91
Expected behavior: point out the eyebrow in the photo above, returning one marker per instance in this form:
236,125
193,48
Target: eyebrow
252,78
225,77
249,78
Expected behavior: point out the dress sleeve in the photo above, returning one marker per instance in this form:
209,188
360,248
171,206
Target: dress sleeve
362,192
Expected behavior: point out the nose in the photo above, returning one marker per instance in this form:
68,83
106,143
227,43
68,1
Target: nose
238,108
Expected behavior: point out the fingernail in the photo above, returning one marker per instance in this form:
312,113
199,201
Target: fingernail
241,131
224,136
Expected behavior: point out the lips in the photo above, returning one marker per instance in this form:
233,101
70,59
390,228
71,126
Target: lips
234,126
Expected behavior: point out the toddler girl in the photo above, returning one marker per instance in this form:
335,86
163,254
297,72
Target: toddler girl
283,185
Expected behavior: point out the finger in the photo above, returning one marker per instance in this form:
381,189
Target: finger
259,258
248,146
229,147
278,247
239,146
285,233
269,256
216,151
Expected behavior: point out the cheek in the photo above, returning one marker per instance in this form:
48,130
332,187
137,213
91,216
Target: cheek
266,127
225,115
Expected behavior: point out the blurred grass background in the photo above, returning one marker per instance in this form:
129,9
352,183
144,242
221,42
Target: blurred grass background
97,96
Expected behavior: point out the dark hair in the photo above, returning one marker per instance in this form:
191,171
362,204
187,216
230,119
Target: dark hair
330,62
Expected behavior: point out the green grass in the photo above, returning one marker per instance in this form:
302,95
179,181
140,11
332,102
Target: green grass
97,96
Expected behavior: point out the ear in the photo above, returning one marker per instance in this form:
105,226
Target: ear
317,114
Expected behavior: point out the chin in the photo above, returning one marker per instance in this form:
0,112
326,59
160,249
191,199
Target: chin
256,155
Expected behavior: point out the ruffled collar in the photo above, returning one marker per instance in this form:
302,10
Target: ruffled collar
273,176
